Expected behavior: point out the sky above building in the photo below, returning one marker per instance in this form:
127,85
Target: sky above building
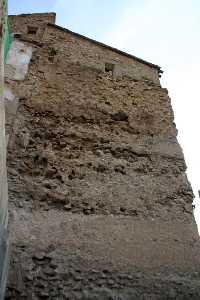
164,32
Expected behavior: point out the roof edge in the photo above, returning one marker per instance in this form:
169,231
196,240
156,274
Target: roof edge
108,47
30,14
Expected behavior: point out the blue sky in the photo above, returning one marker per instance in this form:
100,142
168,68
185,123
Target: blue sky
89,17
164,32
25,6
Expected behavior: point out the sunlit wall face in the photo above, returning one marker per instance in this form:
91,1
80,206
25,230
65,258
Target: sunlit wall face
163,32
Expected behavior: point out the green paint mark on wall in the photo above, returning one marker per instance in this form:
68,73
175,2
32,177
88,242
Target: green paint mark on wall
7,40
7,37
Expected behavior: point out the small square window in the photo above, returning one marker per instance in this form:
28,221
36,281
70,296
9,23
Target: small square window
17,35
32,30
109,67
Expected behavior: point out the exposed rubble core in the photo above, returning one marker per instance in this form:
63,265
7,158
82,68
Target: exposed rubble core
100,204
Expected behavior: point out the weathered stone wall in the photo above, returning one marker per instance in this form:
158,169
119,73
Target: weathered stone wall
100,203
88,53
21,23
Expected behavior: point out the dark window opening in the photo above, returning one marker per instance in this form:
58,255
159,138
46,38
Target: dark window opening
17,35
52,54
109,68
32,30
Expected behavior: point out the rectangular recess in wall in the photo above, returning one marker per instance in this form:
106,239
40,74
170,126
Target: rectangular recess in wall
32,30
109,67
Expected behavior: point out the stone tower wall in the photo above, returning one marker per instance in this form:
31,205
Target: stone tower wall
101,206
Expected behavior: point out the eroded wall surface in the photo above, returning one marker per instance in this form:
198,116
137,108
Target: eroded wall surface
100,204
